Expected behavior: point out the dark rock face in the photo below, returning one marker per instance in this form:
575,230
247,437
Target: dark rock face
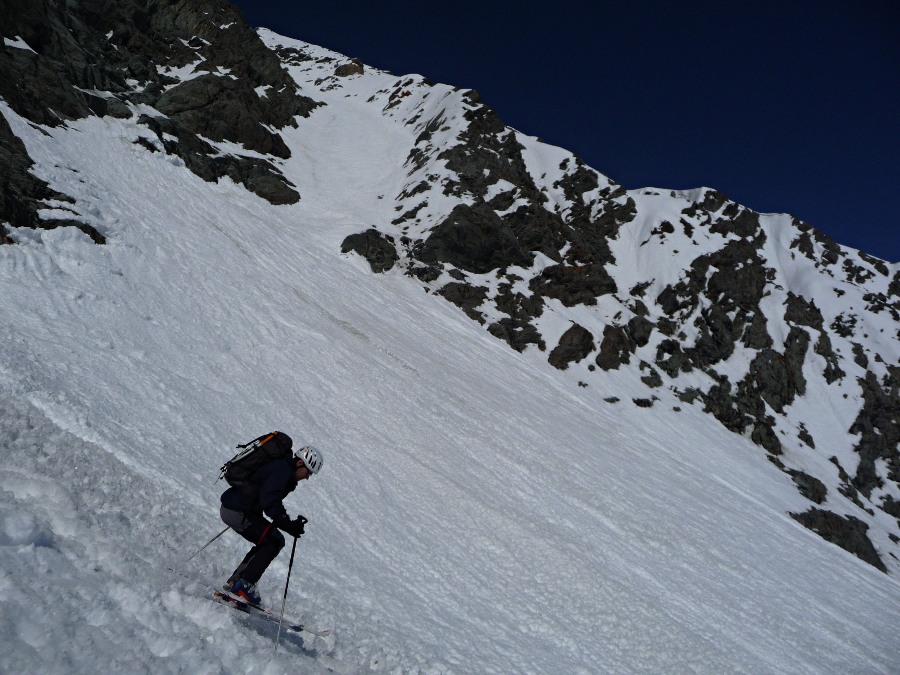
517,334
375,247
616,348
473,239
810,486
221,109
775,378
807,241
495,228
355,67
723,291
847,532
516,328
257,175
574,285
21,194
466,297
878,426
574,345
73,70
639,330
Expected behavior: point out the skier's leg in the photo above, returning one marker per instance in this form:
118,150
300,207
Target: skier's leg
268,547
265,537
239,522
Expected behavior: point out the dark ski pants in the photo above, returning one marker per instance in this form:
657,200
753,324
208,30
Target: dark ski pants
266,539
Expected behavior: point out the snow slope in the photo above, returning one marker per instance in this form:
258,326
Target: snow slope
476,513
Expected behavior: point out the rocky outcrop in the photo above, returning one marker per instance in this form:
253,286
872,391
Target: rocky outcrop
574,345
516,328
377,248
92,57
257,175
472,238
615,349
848,532
502,219
878,428
22,194
468,298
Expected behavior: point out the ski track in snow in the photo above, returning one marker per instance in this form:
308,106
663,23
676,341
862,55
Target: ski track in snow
476,513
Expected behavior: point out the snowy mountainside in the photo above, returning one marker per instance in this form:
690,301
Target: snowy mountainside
474,514
757,319
479,511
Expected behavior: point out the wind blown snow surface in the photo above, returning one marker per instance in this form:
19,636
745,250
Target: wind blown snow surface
476,512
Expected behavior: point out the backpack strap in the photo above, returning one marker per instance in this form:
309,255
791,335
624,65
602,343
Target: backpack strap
265,438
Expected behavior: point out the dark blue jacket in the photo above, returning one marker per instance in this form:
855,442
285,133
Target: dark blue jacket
275,480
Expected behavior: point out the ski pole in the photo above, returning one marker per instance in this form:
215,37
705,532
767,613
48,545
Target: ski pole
284,599
207,544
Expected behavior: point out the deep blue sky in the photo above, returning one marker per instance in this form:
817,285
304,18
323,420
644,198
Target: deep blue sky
790,106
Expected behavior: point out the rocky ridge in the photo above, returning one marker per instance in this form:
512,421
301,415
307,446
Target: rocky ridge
757,319
200,80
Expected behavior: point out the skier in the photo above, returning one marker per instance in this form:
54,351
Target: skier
242,510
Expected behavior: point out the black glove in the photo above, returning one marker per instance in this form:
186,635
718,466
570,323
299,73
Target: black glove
292,527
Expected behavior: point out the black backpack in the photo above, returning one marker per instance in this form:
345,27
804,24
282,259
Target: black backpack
238,470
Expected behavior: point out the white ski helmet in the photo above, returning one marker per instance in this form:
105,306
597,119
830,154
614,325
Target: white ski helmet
311,457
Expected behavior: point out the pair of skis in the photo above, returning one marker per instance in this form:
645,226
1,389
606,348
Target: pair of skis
242,605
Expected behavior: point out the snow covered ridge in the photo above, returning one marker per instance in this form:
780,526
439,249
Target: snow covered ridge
756,319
